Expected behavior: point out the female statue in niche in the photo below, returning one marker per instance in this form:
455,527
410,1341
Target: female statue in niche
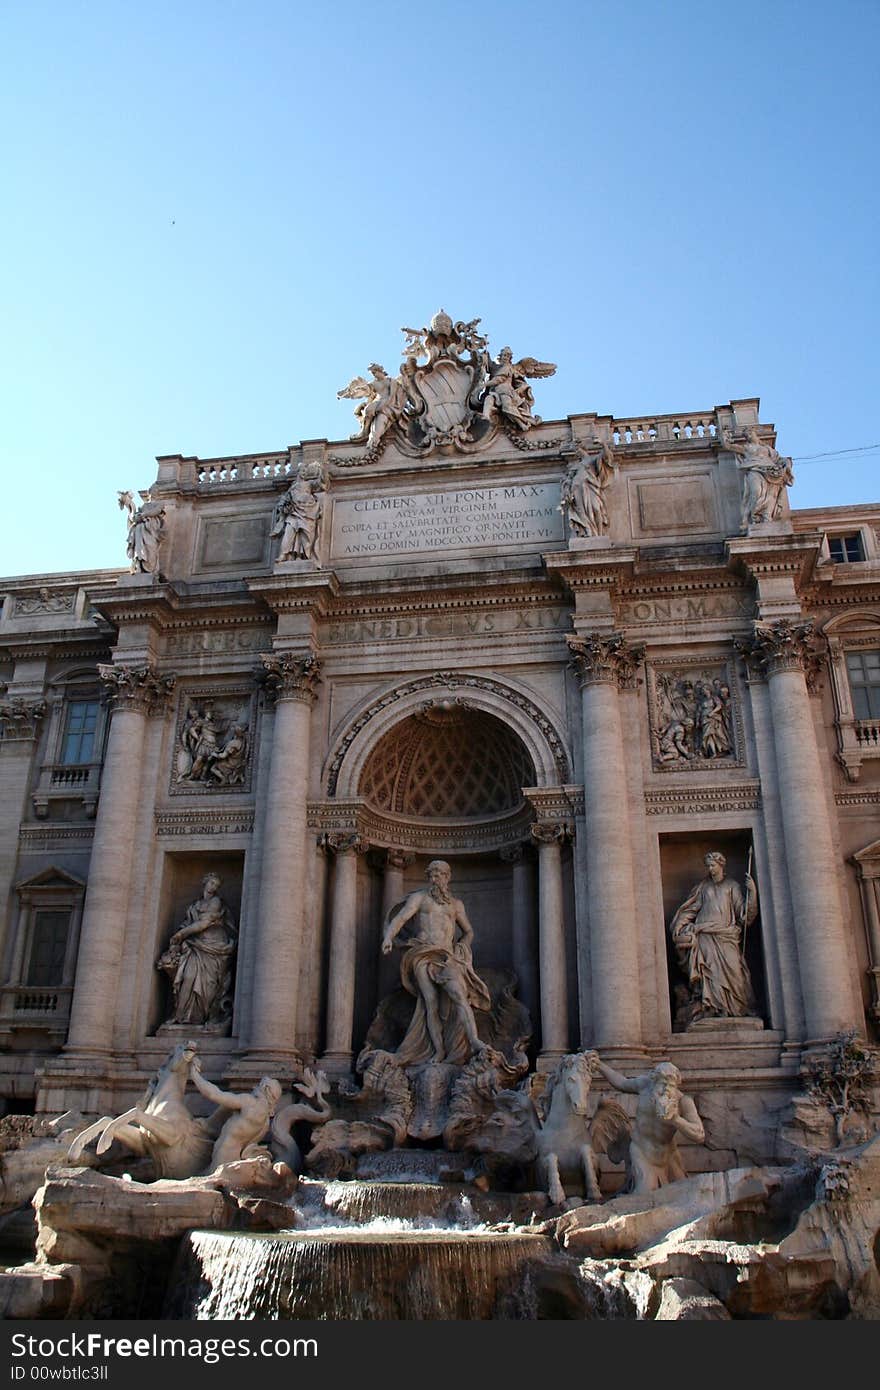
707,932
198,961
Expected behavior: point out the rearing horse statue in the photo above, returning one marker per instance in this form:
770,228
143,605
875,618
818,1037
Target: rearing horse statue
161,1127
567,1142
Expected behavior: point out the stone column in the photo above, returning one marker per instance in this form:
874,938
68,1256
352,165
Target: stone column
605,663
135,693
343,951
396,860
291,679
785,654
551,941
869,885
19,725
522,919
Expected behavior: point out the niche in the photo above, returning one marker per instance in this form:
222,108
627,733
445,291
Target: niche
682,867
183,885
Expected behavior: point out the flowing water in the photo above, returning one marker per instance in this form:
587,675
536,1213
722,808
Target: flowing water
361,1249
381,1271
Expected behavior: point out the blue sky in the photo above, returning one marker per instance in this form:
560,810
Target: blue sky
218,213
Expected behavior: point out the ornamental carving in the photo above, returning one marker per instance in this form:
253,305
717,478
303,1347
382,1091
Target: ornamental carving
32,605
784,646
289,677
552,832
213,741
693,718
458,398
138,688
344,842
19,719
605,659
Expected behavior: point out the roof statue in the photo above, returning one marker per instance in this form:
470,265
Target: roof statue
459,398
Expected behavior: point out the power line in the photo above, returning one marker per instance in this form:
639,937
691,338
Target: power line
836,453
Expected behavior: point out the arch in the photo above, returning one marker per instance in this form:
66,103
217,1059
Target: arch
379,713
851,621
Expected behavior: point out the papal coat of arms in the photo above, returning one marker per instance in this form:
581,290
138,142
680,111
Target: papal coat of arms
458,399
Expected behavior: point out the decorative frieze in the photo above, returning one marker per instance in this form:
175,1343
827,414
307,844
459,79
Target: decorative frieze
346,818
214,821
20,719
138,688
695,722
601,659
225,641
38,838
286,676
705,800
43,602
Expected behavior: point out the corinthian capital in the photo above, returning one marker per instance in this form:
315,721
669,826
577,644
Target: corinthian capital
783,646
605,658
19,718
138,688
287,676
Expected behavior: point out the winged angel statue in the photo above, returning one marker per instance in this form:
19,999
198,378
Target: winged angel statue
458,398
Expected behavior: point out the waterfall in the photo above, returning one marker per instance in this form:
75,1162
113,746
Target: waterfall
351,1274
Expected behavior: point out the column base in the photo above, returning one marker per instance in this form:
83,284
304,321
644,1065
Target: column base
269,1062
337,1063
549,1058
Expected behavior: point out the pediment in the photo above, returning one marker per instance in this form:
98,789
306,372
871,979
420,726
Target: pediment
870,855
51,877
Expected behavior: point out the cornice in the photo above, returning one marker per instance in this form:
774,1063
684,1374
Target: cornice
865,796
600,569
47,834
355,818
307,592
757,556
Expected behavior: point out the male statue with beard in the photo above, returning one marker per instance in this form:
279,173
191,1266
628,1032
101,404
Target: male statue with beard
437,967
663,1115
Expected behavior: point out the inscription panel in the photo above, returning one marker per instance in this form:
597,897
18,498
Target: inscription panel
673,506
229,542
464,519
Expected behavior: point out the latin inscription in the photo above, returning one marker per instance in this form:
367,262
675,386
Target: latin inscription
410,625
460,520
689,608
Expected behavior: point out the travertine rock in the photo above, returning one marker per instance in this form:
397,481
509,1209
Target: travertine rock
684,1300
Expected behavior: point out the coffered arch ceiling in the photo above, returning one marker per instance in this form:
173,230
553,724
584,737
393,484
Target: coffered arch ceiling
447,761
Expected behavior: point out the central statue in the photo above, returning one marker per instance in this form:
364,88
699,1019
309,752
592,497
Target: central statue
437,967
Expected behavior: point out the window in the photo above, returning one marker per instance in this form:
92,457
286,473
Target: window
863,669
78,742
48,948
37,993
846,550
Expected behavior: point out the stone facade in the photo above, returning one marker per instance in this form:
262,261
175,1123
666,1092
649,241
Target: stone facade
572,708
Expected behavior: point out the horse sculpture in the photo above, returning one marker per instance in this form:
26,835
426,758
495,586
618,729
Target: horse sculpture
567,1142
161,1127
